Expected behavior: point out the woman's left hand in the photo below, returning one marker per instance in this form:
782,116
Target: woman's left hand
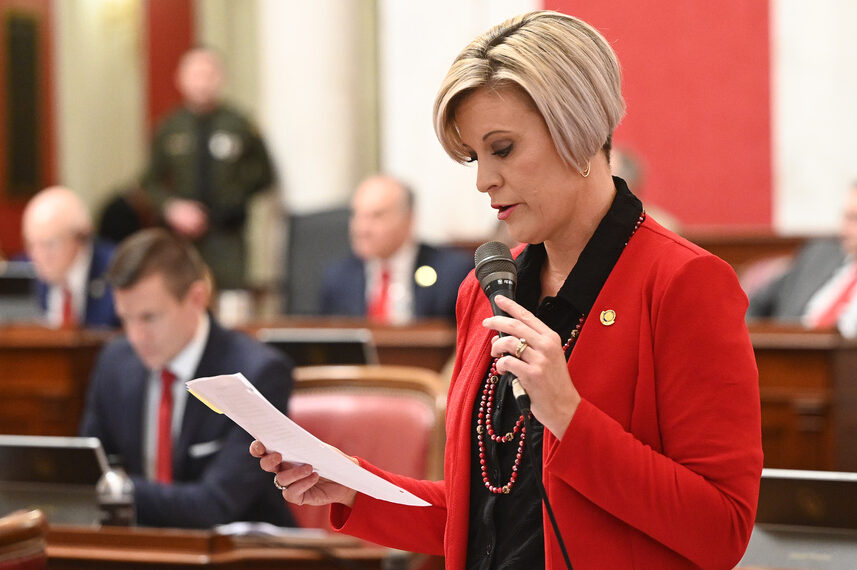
539,363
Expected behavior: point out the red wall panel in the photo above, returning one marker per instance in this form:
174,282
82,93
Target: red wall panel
696,82
169,30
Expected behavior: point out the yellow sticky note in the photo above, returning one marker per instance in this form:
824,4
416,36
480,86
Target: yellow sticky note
204,401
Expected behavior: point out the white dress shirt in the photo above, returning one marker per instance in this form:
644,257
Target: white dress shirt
401,292
77,280
184,366
827,294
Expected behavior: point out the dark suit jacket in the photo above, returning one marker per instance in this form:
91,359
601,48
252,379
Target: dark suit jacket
99,310
216,480
343,290
786,297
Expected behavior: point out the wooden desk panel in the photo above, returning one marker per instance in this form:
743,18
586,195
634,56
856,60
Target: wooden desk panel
807,379
114,548
428,343
43,378
745,247
44,372
808,390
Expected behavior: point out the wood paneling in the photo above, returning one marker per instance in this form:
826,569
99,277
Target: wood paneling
428,343
808,396
806,379
115,548
43,378
26,111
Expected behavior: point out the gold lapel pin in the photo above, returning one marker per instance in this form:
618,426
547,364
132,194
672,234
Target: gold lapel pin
608,317
425,276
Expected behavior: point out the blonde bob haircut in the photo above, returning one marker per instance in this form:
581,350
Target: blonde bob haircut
565,66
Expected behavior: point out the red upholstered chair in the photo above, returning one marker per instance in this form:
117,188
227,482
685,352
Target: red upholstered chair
392,416
22,541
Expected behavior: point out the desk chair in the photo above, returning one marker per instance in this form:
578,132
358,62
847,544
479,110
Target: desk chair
314,240
392,416
22,541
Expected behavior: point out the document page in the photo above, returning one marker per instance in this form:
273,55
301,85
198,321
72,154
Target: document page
236,397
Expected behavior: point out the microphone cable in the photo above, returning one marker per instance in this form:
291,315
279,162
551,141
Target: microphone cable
536,465
498,275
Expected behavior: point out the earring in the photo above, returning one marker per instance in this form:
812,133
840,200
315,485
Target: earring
585,173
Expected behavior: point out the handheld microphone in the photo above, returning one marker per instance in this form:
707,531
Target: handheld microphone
498,275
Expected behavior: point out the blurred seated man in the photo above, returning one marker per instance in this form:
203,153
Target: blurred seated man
389,277
189,465
818,289
69,263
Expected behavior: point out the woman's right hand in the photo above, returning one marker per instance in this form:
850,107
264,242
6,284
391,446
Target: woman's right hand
302,485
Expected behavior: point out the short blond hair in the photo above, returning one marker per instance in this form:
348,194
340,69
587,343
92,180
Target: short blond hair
563,64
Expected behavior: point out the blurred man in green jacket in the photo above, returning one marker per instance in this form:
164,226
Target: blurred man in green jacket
206,162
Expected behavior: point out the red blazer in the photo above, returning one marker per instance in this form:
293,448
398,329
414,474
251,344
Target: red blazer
660,465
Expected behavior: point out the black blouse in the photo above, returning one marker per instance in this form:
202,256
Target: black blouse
506,530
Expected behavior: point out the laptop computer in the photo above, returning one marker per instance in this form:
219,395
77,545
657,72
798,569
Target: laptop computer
18,298
55,474
805,519
309,347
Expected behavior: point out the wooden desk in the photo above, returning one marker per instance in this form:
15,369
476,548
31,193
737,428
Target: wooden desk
115,548
44,372
808,389
428,343
808,382
741,248
43,377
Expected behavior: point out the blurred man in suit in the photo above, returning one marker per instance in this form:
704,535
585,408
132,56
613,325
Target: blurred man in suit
819,290
189,465
69,263
207,160
389,277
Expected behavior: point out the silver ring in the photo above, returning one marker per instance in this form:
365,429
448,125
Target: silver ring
277,484
522,346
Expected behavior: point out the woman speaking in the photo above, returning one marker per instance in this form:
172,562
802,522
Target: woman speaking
629,341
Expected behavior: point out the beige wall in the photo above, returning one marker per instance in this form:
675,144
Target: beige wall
341,88
420,40
813,49
318,93
230,27
100,98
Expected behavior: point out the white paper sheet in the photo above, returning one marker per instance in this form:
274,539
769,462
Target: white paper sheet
236,397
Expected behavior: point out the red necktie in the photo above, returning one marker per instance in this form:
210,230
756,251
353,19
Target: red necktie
69,319
830,316
378,309
164,461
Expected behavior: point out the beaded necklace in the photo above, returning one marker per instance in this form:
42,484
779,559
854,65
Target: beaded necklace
484,419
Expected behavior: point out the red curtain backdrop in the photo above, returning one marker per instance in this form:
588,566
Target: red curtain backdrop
170,32
696,82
